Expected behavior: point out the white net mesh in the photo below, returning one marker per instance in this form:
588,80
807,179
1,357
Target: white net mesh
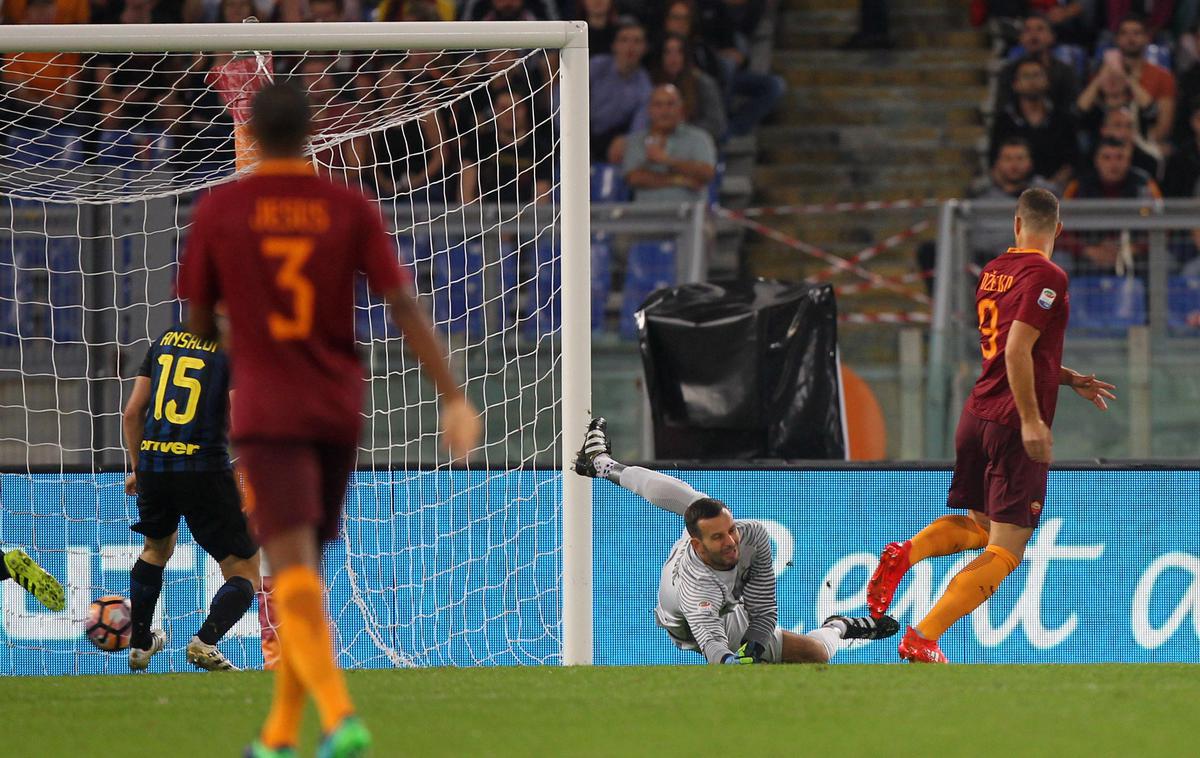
101,158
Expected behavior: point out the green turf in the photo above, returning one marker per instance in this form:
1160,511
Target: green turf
662,711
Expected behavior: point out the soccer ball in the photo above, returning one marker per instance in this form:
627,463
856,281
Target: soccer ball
110,621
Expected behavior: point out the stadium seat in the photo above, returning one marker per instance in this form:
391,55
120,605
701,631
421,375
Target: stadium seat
714,187
460,307
545,290
371,319
651,267
1107,304
56,147
601,279
608,185
1183,300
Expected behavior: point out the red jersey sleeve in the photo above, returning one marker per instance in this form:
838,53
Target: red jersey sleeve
378,253
197,270
1042,294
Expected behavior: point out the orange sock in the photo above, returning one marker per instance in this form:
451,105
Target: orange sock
306,643
968,589
282,727
946,536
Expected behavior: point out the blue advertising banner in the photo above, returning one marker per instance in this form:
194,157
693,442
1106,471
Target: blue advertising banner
462,568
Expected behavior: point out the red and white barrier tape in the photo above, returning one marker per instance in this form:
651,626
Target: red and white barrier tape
868,253
855,289
834,261
916,317
816,208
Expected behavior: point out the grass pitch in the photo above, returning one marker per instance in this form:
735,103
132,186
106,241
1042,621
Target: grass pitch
661,711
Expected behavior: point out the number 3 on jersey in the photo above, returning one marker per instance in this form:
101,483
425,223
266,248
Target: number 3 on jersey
294,251
989,314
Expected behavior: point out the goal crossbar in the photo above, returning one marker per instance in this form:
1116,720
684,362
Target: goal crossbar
357,35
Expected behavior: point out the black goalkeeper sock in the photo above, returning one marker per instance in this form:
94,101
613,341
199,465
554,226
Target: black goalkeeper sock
3,568
229,604
145,584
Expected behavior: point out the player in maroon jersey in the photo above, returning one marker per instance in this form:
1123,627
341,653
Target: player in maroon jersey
1003,446
281,249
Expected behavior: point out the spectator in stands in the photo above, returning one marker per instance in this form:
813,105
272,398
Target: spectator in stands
601,18
680,17
235,11
34,78
1032,116
409,159
1132,40
501,162
508,10
1113,88
398,10
1113,177
671,161
702,103
1157,18
750,96
872,31
65,12
326,11
1120,124
1183,167
620,86
1037,41
746,15
1012,173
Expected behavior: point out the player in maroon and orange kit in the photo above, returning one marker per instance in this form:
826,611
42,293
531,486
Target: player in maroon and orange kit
281,249
1003,443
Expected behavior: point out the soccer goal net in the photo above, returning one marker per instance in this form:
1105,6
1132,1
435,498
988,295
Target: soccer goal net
473,138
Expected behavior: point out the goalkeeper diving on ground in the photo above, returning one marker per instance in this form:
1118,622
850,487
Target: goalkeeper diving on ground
716,595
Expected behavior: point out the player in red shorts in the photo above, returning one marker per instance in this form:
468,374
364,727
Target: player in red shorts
1003,443
281,249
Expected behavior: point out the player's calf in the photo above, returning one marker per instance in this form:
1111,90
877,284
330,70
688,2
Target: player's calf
230,603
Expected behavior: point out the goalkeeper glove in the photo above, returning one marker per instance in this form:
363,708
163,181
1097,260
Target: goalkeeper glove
749,652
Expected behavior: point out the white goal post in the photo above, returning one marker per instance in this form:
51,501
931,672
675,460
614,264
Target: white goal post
566,217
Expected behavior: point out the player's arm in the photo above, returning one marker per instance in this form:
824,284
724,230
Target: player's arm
460,422
1088,387
759,593
133,425
701,607
1018,360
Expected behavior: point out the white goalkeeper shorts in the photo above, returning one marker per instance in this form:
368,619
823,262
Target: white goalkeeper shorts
736,623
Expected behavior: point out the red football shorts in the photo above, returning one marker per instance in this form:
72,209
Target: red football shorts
994,475
290,483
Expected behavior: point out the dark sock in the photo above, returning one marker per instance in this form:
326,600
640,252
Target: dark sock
229,604
3,568
145,584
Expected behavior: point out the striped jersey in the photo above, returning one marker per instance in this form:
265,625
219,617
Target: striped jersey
693,597
188,420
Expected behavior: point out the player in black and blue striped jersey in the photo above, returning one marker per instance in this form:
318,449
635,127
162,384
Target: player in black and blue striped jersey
176,425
